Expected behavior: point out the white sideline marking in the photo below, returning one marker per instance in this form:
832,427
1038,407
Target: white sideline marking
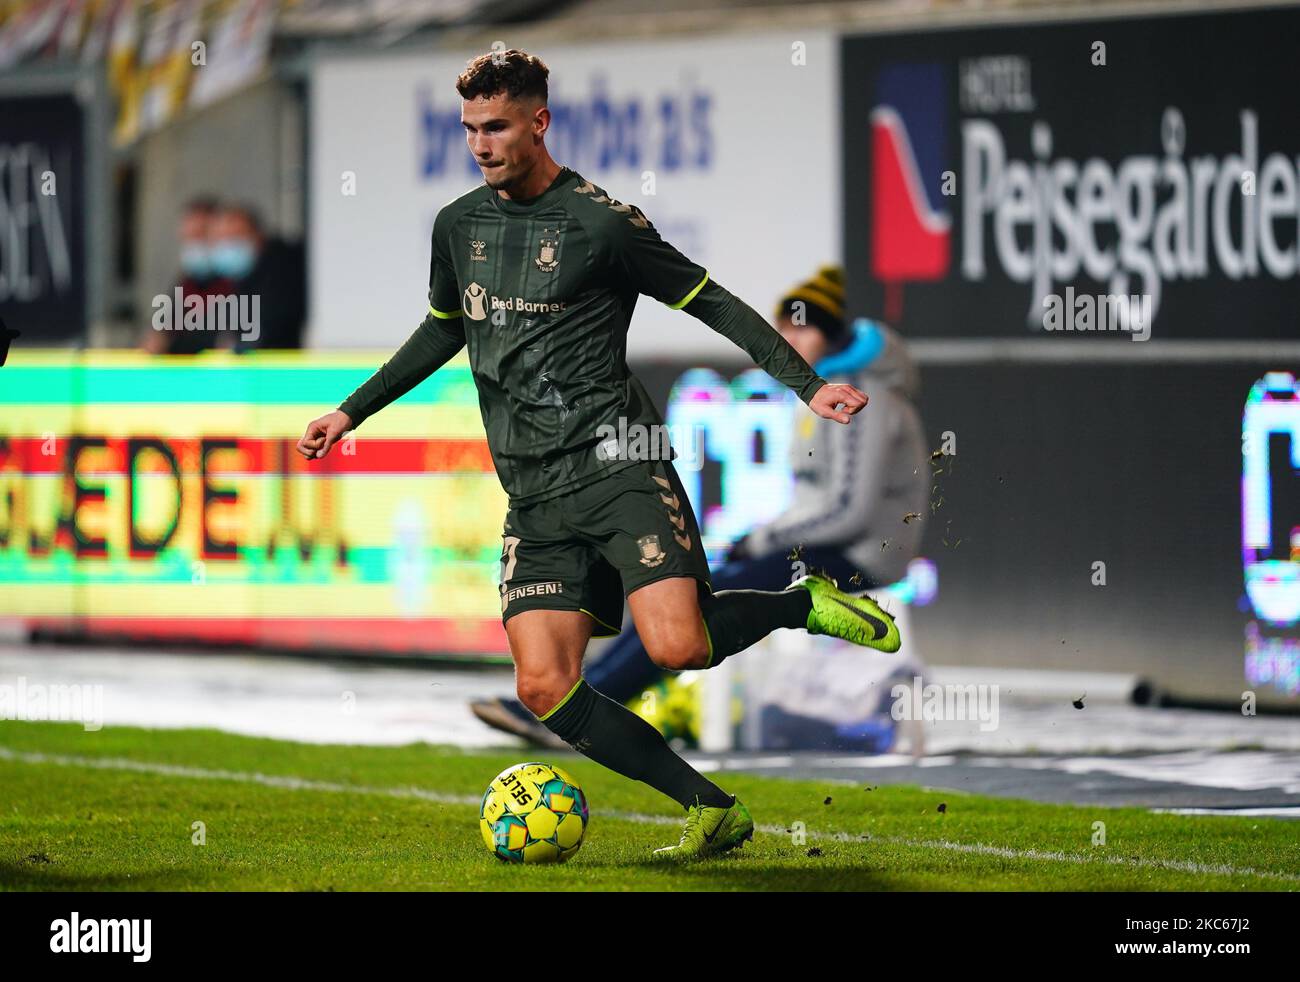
1269,811
268,780
306,784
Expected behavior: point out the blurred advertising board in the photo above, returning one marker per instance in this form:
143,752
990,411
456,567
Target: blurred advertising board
999,180
164,498
1135,518
42,217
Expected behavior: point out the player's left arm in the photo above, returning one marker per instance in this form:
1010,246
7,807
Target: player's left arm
660,271
749,330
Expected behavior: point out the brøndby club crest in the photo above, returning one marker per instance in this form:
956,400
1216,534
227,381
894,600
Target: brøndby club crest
550,241
651,554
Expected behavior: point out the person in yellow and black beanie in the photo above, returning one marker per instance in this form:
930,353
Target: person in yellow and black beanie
817,303
849,488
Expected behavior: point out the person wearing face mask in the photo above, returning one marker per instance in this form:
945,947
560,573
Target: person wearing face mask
853,485
256,264
197,277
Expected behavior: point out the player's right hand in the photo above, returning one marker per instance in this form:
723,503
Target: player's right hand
827,400
323,433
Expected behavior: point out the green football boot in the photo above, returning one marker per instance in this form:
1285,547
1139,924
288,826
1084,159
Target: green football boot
711,831
858,619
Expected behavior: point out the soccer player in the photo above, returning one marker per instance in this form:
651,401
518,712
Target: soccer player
537,271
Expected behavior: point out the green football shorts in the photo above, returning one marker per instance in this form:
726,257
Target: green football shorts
586,550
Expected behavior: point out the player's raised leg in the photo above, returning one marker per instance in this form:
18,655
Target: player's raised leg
683,626
652,538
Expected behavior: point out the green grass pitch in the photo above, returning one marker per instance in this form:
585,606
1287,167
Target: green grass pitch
116,810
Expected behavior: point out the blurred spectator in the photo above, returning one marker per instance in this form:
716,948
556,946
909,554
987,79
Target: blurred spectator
196,278
262,266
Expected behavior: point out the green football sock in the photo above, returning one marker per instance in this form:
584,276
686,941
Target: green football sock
735,619
613,735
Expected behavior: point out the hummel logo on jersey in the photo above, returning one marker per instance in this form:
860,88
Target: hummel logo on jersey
478,245
880,628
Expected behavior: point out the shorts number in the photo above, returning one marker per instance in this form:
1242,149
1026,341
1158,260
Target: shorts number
508,559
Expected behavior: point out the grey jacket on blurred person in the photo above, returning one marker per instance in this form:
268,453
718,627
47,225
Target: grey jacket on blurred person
854,484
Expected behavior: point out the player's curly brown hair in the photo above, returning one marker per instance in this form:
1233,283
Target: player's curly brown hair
517,73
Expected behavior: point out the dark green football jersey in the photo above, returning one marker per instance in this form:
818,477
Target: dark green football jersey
542,292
